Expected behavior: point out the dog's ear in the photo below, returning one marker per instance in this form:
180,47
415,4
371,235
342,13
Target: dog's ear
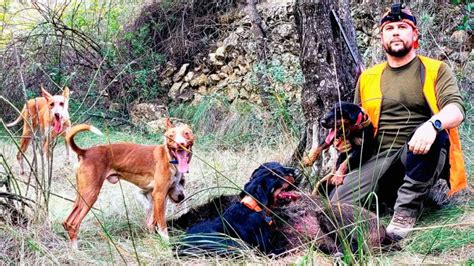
66,92
45,94
258,189
168,123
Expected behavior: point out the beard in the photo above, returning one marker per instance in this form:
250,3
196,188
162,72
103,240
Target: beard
399,52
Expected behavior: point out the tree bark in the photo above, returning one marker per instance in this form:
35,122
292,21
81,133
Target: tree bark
329,70
260,35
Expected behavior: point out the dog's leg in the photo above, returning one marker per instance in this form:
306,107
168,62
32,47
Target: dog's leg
24,143
146,200
88,188
149,208
341,171
314,154
159,195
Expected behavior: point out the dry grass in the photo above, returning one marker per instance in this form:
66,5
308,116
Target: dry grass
213,172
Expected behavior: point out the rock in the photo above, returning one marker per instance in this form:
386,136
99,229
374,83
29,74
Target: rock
231,41
174,90
145,112
227,69
184,87
157,126
189,76
181,72
199,81
234,79
222,84
169,70
213,59
242,69
284,30
166,82
239,30
220,53
202,90
197,99
214,78
186,93
222,75
459,36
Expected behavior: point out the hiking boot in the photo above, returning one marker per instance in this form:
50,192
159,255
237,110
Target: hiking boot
400,225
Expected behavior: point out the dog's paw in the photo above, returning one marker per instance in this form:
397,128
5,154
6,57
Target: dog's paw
164,235
337,179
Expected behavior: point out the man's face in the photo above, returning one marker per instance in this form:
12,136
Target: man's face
398,38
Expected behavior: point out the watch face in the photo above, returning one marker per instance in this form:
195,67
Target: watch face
437,124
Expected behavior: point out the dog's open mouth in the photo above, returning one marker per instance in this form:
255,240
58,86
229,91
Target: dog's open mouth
183,157
285,195
57,124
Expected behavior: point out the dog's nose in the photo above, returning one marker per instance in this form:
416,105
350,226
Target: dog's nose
324,122
180,197
57,116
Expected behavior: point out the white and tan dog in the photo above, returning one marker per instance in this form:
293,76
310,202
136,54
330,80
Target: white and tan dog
49,114
158,170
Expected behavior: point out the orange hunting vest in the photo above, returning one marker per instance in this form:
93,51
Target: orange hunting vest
371,99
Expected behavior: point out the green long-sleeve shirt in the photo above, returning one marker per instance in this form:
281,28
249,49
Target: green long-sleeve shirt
404,106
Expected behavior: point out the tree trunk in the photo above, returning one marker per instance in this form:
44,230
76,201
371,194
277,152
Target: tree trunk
259,30
329,70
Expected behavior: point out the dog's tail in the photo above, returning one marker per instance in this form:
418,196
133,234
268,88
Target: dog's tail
76,129
20,117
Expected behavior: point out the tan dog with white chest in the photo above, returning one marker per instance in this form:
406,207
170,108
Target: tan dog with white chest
157,169
50,114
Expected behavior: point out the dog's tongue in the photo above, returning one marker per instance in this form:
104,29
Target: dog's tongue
183,164
58,126
331,135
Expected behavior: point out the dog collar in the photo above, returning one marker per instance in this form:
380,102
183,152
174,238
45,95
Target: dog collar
363,121
175,161
252,204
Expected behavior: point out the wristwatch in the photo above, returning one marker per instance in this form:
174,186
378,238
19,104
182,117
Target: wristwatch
436,124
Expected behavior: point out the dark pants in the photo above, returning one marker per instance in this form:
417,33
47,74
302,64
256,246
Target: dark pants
396,178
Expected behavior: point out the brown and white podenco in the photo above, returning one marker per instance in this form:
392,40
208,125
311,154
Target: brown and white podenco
157,169
50,114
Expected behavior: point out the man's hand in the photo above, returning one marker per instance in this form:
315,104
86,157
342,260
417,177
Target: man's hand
423,138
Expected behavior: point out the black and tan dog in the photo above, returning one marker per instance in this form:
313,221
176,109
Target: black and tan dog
350,125
299,222
248,220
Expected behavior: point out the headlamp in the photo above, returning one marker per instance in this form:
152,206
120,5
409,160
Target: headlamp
396,14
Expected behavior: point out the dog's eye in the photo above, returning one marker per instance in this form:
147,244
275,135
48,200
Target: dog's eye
61,104
51,104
